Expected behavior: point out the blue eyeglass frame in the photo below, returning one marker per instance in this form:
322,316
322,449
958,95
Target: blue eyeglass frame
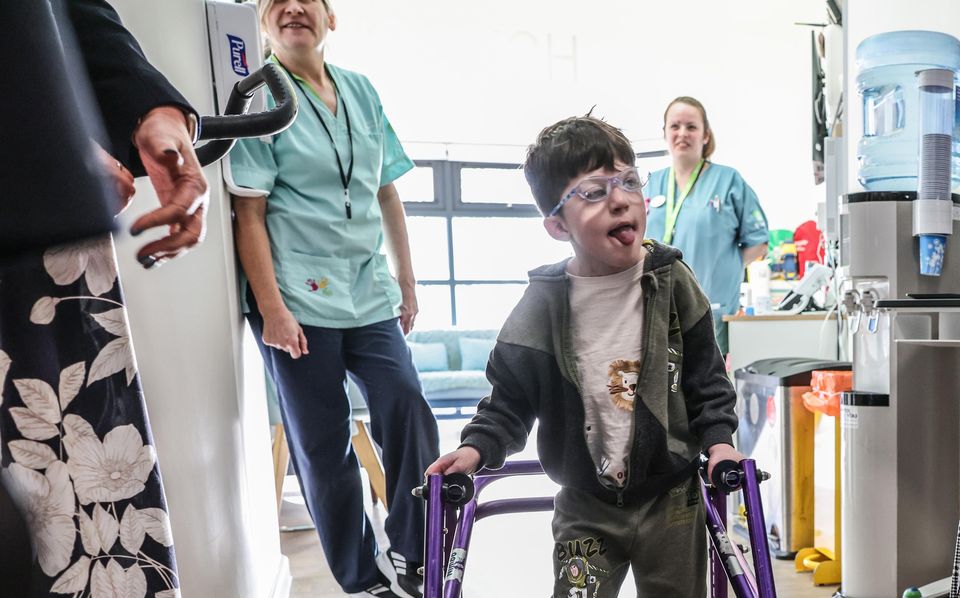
616,179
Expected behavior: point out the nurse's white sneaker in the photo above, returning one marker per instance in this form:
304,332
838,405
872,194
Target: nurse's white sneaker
377,591
382,589
408,576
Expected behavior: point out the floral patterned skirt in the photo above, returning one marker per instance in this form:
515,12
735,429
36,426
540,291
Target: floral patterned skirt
76,449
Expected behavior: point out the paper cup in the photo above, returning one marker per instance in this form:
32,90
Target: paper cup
932,251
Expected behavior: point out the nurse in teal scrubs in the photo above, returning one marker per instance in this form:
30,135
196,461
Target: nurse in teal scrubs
318,206
706,210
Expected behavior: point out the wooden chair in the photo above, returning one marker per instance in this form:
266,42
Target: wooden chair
369,457
363,446
281,460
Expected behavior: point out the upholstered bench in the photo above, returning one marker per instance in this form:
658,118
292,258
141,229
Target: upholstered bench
452,366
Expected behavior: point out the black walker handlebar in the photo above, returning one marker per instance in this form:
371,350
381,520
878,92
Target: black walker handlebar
221,132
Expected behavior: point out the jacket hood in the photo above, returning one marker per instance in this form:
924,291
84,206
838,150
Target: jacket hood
658,255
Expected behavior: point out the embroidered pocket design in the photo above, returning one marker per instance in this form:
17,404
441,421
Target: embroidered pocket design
320,286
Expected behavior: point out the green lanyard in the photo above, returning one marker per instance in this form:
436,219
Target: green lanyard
673,212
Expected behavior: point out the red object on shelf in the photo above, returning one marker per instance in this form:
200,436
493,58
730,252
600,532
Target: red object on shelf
807,238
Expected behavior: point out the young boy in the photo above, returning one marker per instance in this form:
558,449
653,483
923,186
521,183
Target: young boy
613,351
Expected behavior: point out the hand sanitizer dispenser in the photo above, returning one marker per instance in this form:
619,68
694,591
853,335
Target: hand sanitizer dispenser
236,50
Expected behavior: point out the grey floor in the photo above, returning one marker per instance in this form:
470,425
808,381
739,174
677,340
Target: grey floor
509,556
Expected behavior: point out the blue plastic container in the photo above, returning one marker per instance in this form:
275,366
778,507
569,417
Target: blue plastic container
886,81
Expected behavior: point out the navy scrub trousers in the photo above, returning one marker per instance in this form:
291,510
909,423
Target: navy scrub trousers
316,415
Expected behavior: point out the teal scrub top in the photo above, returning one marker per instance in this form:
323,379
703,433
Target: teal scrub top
719,217
330,269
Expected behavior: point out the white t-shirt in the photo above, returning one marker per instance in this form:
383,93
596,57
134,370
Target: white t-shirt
606,331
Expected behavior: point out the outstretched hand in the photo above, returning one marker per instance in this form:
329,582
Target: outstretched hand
166,150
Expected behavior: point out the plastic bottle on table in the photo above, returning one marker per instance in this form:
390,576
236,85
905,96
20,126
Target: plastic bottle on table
758,274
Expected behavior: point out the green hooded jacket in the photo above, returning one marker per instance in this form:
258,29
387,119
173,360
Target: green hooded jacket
684,401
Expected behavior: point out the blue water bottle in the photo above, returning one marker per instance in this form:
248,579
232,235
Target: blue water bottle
887,66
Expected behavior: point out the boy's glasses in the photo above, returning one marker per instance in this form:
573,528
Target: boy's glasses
598,188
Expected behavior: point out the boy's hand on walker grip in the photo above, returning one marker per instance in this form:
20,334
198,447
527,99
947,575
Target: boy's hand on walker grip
721,452
465,459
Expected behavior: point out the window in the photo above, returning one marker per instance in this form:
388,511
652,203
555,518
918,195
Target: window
486,305
500,248
429,246
435,307
504,185
475,232
416,186
473,245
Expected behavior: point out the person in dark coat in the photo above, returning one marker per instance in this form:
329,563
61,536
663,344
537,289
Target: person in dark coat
79,480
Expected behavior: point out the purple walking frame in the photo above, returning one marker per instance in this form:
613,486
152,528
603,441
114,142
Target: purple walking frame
446,553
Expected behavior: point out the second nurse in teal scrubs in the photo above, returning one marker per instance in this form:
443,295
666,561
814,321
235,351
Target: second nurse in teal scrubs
705,210
319,205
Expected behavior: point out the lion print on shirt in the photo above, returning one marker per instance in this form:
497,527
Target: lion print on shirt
623,375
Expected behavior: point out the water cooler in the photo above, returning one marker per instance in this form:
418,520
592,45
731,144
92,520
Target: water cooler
900,452
901,472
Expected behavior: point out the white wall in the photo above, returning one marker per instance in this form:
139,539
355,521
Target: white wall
863,20
496,72
212,445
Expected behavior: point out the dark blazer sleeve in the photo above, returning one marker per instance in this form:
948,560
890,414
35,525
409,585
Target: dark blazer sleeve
124,84
51,187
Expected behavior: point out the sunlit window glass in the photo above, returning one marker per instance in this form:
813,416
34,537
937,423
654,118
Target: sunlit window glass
434,303
494,185
486,305
416,186
428,247
502,248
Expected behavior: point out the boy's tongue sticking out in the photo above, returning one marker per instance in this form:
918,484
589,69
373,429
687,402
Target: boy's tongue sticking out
625,233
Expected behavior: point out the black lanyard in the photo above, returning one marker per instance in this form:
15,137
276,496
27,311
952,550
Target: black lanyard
344,178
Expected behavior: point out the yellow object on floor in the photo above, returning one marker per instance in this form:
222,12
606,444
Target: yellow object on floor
824,401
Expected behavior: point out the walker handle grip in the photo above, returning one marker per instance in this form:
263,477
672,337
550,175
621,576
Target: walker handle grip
458,488
236,124
223,131
729,477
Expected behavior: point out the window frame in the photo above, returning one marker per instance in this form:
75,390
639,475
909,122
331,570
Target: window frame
448,204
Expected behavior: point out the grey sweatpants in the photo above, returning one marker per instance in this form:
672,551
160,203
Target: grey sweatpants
664,540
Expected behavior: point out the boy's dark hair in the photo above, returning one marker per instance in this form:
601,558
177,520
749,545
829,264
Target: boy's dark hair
569,148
